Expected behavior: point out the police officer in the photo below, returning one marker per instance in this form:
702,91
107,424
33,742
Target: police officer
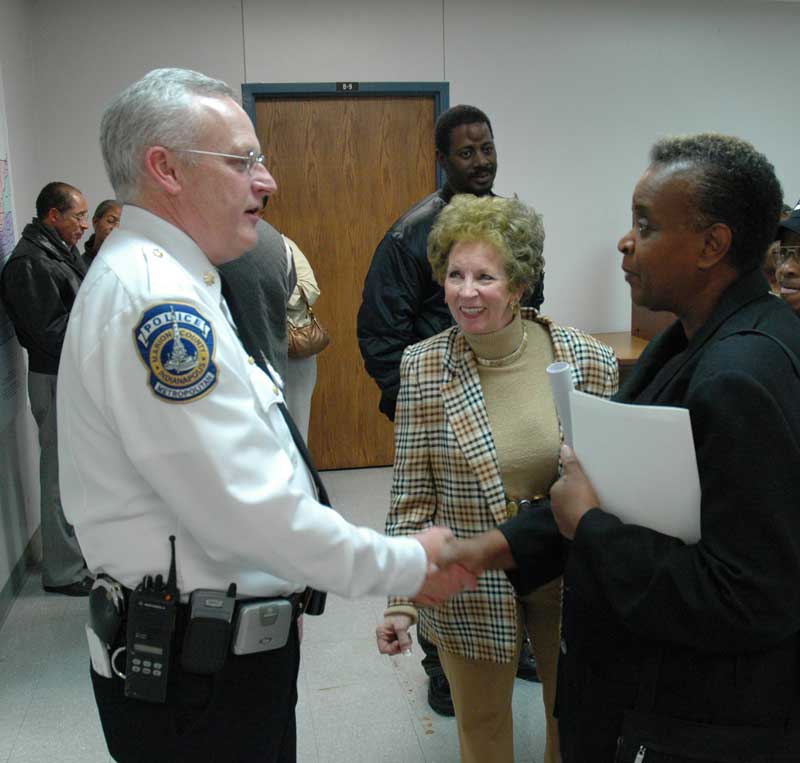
167,427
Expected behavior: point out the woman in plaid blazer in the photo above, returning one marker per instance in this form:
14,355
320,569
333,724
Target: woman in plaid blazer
476,434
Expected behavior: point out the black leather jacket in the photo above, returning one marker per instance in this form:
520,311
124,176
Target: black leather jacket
401,303
37,287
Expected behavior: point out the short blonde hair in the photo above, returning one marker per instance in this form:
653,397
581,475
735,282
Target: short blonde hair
514,230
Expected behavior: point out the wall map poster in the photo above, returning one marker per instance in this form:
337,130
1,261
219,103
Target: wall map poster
9,381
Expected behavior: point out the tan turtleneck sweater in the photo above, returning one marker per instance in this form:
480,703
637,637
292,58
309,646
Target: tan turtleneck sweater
520,405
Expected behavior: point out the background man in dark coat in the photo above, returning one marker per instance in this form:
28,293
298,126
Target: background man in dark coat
257,288
671,651
402,304
38,286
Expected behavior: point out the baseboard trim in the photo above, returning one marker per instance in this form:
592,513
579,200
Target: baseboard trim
16,580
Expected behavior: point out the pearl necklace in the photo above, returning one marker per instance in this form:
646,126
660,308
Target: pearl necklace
508,359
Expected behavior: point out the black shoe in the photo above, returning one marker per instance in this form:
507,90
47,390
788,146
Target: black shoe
79,588
526,669
439,696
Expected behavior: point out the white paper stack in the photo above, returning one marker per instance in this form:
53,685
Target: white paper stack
639,458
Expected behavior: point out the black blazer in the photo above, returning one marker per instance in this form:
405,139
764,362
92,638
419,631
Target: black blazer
705,632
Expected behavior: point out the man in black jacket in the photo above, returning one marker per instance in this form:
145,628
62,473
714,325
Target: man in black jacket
676,651
402,304
38,286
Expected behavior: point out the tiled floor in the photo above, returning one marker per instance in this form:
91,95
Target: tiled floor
355,705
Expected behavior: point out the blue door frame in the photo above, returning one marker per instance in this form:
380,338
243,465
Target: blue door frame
253,91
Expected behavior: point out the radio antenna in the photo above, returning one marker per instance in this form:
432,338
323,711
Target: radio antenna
172,580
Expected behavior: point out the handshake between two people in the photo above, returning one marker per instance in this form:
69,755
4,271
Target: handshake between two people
453,567
454,564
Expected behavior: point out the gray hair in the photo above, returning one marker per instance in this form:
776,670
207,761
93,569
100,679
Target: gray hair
158,110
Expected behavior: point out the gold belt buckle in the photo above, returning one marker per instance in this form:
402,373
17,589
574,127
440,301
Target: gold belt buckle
514,506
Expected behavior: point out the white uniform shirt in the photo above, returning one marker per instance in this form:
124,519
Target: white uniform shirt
167,427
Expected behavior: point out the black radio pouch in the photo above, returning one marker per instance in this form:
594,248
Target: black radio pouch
314,601
207,641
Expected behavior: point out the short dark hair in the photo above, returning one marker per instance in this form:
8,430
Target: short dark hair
55,195
734,185
455,117
103,207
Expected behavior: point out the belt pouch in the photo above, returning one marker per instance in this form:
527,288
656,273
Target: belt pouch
207,640
314,601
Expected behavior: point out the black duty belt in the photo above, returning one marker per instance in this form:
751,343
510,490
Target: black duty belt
298,601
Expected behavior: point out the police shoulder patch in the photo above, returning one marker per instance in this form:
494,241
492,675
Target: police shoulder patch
176,343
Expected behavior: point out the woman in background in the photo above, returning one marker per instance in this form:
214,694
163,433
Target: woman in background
476,439
106,218
301,373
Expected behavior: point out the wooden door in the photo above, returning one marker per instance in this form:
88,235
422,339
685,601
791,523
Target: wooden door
346,168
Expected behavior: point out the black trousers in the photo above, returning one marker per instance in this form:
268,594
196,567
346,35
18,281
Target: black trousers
430,662
244,713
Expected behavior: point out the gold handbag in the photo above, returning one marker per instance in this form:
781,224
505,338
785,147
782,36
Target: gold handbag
309,339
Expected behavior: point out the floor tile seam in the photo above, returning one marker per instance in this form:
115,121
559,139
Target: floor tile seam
354,684
408,690
13,748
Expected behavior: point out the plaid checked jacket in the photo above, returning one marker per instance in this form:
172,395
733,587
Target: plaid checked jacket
446,472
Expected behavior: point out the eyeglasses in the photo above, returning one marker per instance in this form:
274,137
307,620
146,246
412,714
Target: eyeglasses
785,253
249,160
78,217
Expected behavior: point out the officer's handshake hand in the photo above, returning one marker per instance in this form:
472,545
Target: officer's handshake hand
441,582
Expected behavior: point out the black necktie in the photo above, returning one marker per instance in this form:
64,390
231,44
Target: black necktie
313,600
257,352
301,446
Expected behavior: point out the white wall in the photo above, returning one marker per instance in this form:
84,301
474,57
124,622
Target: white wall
577,91
359,40
86,52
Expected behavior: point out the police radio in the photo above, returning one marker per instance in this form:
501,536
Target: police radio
152,611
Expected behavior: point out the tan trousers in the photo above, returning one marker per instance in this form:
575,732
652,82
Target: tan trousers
482,689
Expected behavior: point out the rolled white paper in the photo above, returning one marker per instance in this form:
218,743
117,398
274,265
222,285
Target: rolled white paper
560,375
